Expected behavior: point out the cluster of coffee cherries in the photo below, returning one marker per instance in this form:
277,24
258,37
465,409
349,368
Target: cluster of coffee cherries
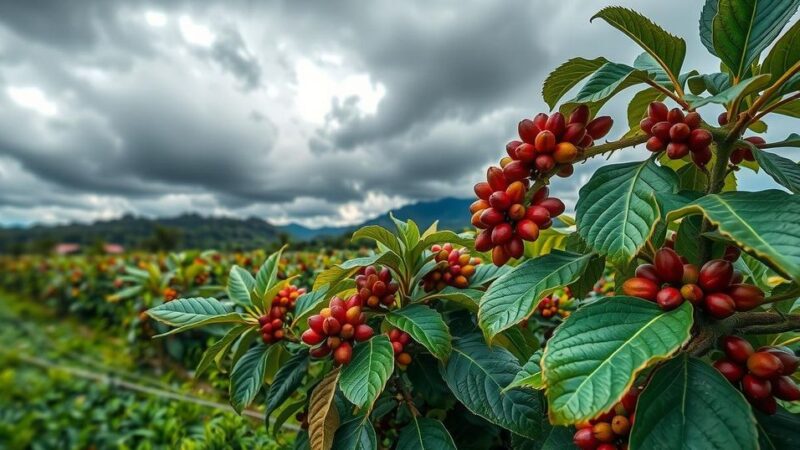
170,294
375,287
716,287
282,304
679,134
547,144
400,339
745,153
454,268
504,220
762,375
609,431
550,140
550,306
336,329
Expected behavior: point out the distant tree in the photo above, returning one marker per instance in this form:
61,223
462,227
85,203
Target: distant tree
163,239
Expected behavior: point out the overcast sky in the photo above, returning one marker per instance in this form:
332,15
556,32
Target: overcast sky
319,112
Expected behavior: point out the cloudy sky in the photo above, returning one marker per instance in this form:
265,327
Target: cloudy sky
319,112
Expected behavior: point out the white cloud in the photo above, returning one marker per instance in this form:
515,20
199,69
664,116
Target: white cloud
32,98
155,18
194,33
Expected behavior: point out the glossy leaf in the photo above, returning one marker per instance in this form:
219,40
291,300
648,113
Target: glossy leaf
763,224
426,326
477,376
617,209
218,350
784,54
240,286
357,434
607,81
531,374
783,170
688,404
247,377
593,358
466,298
742,29
424,434
287,380
267,274
188,311
378,234
549,239
566,76
744,88
714,83
665,48
513,297
707,23
779,431
364,378
323,418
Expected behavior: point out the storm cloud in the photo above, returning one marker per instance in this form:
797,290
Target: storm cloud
317,112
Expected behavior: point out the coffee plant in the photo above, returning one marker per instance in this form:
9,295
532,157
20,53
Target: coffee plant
505,338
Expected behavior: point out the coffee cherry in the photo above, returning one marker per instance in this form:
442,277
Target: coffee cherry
722,119
648,271
311,337
746,296
692,293
654,144
602,432
599,127
736,348
730,370
669,298
756,388
668,265
785,388
679,132
715,275
767,405
690,274
640,287
657,111
545,142
701,157
620,425
362,332
528,230
527,130
788,359
764,365
343,354
565,152
661,131
584,439
553,205
719,305
677,150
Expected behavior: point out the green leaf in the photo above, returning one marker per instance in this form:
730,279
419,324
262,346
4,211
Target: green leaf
477,375
513,297
267,275
531,374
566,76
742,29
424,434
706,25
783,170
687,244
346,269
688,404
466,298
617,209
779,431
791,109
484,273
733,93
785,53
323,417
763,224
240,286
379,234
607,81
364,378
188,311
793,140
286,413
218,350
590,276
357,434
287,380
425,326
665,48
247,377
713,83
549,239
594,356
637,108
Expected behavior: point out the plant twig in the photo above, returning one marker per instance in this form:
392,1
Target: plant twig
775,106
744,323
669,94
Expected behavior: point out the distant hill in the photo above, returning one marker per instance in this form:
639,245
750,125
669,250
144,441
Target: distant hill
195,231
452,214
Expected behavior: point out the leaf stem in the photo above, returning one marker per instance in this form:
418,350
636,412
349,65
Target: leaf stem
678,98
775,106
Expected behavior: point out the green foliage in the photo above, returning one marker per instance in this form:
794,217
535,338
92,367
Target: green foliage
425,326
364,378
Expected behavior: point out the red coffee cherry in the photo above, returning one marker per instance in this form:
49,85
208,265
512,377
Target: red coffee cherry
736,349
343,354
764,365
715,275
746,296
767,405
692,293
730,370
756,388
311,337
584,439
669,298
788,359
669,265
599,127
785,388
640,287
719,305
650,272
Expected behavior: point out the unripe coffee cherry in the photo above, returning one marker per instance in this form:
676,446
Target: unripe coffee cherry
692,293
404,359
640,287
690,274
715,275
565,152
669,265
764,365
730,370
746,296
603,432
719,305
736,349
584,439
785,388
756,388
620,425
669,298
545,142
